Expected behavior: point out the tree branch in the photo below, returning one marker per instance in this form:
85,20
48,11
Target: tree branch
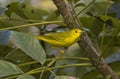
85,42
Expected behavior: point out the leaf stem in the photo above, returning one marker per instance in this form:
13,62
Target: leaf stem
27,25
52,68
64,58
103,32
84,8
41,73
52,72
57,56
61,67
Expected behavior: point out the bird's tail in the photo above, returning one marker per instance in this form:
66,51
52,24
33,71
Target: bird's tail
41,38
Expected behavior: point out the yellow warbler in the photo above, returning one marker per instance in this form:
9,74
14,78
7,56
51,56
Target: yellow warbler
61,39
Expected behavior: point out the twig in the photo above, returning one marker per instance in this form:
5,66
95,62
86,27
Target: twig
85,43
84,8
28,25
63,58
61,67
38,70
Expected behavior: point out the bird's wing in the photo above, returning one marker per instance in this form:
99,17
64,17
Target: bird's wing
57,36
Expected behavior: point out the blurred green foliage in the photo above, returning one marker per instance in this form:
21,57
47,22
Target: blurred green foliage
24,55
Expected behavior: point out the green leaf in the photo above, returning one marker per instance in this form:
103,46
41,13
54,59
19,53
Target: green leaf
98,8
87,21
113,61
14,7
75,1
7,68
4,50
70,1
92,74
65,77
80,5
25,76
4,23
113,58
73,51
14,55
111,41
113,22
117,1
26,11
115,66
114,9
29,45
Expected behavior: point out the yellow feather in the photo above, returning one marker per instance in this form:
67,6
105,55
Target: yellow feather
61,39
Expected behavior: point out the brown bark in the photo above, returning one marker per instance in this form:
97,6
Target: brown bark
85,42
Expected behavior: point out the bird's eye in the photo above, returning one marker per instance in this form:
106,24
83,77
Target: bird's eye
75,31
